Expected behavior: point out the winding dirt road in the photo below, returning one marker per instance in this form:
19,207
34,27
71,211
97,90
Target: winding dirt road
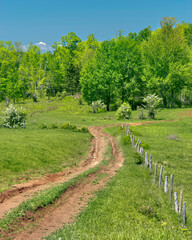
68,206
51,218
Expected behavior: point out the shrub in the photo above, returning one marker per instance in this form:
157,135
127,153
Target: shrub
145,145
14,117
141,112
61,95
151,103
138,159
124,111
69,126
54,125
115,106
84,129
126,140
73,127
135,132
66,126
44,125
80,101
58,95
34,97
98,106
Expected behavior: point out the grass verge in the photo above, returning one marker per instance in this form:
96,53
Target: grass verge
131,207
49,196
170,143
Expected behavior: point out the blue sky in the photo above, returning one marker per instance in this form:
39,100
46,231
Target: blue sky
46,21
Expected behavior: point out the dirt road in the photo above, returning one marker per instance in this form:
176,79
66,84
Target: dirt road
49,219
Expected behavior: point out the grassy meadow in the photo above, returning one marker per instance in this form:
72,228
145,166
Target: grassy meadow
36,150
131,206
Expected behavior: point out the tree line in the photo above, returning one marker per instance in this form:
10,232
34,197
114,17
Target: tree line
123,69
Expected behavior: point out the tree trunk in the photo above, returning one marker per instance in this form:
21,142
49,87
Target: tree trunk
7,101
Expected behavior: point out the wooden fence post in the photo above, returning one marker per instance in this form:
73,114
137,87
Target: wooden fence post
166,184
176,202
139,147
133,141
150,163
160,177
155,174
127,130
130,136
184,213
136,144
146,160
171,187
180,201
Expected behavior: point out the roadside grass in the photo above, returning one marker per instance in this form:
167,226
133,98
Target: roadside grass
9,222
32,152
49,196
28,153
170,143
132,206
69,110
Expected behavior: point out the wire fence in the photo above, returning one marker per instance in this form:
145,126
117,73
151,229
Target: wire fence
179,203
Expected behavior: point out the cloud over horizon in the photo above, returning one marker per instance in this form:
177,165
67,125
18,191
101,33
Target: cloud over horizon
44,47
42,43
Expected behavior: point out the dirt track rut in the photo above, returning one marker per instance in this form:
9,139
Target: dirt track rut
64,211
73,200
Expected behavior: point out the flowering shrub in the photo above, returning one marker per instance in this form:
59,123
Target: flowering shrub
98,106
151,103
14,117
124,111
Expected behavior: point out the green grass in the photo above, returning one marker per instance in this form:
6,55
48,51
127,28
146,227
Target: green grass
51,150
50,195
25,153
121,210
131,207
33,152
170,146
42,200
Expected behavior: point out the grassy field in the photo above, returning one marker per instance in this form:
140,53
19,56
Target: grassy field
132,206
52,150
32,152
27,153
170,145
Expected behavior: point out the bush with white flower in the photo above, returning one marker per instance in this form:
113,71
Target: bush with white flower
98,106
124,111
152,102
13,117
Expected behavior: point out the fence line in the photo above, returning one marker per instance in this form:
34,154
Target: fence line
180,207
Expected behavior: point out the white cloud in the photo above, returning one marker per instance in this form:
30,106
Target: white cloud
44,47
42,43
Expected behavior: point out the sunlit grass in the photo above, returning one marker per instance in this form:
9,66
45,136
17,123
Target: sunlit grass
131,207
